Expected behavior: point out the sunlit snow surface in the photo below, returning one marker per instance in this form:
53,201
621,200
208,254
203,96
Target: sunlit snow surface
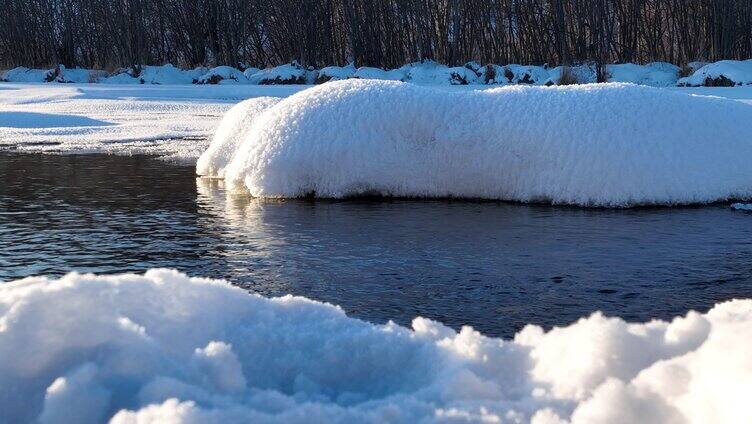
593,145
174,121
165,348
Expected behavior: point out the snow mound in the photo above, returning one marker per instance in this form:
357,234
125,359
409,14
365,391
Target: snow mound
163,347
431,73
230,134
514,74
163,75
742,206
726,73
335,73
610,145
223,75
577,74
78,75
656,74
291,73
366,72
22,74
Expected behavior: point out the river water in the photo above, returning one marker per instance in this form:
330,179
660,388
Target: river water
493,265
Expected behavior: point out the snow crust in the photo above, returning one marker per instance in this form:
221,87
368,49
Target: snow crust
611,145
738,72
163,347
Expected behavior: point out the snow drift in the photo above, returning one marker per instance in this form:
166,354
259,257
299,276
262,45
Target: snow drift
656,74
597,145
165,74
223,75
165,347
725,73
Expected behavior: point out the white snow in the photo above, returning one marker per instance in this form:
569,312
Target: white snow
366,72
22,74
223,75
250,71
169,120
738,72
432,73
163,347
163,75
514,74
231,133
291,73
578,74
610,145
172,120
537,75
742,206
335,73
656,74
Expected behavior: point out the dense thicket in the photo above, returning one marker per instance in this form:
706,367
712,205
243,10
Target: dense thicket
386,33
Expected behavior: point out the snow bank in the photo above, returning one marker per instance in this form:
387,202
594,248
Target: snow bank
656,74
176,121
335,73
230,134
577,74
514,74
165,74
597,145
432,73
21,74
725,73
292,73
163,347
223,75
366,72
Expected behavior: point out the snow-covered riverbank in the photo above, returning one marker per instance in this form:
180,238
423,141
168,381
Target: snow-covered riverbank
611,145
170,120
173,121
164,347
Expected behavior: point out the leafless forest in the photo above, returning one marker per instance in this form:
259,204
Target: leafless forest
108,34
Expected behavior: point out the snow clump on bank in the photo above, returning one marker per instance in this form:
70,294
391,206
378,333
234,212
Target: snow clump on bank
611,145
726,73
164,347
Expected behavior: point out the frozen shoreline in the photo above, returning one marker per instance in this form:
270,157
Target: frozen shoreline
165,346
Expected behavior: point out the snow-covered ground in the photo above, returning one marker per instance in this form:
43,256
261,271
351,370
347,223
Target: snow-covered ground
163,347
593,145
169,120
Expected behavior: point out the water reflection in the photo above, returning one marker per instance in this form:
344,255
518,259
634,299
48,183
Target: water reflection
495,266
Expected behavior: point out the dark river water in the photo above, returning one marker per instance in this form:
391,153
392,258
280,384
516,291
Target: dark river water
495,266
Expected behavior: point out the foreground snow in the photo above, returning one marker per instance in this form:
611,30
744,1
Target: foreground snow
167,348
596,145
